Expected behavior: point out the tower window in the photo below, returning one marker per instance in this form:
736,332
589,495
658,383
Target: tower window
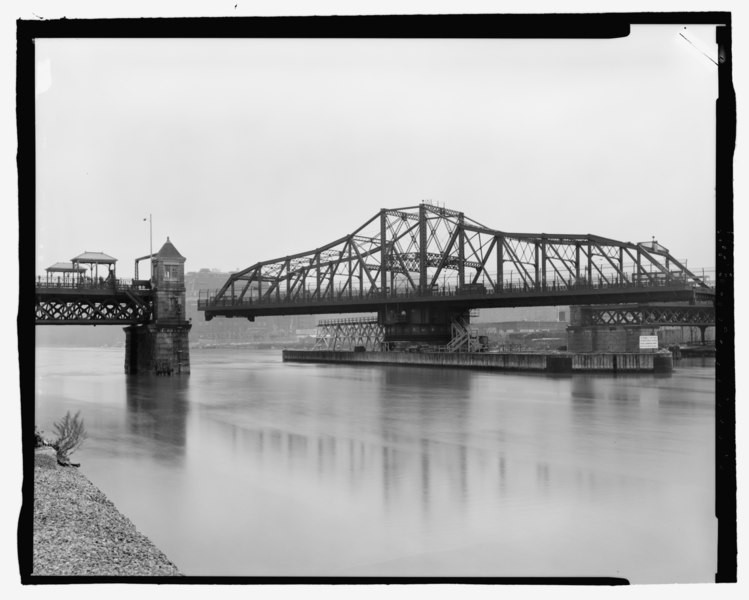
171,272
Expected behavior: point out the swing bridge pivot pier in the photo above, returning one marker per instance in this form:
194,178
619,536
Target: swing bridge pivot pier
421,269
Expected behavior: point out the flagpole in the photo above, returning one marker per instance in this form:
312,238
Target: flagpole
150,241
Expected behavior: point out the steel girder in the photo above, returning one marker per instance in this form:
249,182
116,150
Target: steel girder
418,250
682,316
93,310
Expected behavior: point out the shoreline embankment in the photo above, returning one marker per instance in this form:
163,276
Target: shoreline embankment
78,531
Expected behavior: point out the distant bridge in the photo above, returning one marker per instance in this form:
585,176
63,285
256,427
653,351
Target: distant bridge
432,257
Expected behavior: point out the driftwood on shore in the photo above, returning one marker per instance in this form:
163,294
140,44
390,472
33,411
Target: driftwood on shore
78,531
71,433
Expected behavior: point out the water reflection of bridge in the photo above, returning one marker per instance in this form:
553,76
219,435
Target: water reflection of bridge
428,456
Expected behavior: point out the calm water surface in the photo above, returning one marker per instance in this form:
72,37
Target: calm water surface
250,466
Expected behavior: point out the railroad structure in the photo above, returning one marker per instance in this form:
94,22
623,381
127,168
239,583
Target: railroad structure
422,268
153,310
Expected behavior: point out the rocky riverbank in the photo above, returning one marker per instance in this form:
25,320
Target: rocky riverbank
78,531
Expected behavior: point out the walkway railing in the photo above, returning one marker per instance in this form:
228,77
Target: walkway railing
89,284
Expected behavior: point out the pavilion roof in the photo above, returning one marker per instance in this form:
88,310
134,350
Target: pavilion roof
65,267
98,258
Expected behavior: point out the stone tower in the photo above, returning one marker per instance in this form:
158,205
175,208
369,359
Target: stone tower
162,346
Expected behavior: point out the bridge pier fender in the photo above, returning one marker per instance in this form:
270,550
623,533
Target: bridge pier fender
162,346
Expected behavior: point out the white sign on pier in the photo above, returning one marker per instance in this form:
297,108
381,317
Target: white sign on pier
648,342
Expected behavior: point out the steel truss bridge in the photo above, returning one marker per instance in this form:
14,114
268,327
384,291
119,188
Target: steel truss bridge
89,303
661,316
427,255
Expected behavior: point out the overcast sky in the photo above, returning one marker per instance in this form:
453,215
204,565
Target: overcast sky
247,150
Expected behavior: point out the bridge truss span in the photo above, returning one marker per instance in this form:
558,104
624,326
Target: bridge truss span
699,315
429,253
80,306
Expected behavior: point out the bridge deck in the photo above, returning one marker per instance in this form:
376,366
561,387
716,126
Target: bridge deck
550,296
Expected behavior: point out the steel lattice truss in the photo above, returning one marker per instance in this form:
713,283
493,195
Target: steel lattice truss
94,310
684,316
424,249
346,334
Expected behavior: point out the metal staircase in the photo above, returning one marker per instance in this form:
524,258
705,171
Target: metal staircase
464,337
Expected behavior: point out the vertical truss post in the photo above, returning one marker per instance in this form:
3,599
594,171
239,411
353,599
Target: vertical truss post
639,266
590,265
422,249
543,265
383,252
259,284
350,270
317,275
577,262
361,277
461,251
535,264
288,278
500,245
331,285
622,278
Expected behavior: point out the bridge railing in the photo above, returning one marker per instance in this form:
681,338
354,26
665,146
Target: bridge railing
208,300
116,285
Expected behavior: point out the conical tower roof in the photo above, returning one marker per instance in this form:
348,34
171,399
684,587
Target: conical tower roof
169,251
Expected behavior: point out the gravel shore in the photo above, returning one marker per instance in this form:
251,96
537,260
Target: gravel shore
78,531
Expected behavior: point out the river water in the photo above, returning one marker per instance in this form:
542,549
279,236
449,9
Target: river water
250,466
